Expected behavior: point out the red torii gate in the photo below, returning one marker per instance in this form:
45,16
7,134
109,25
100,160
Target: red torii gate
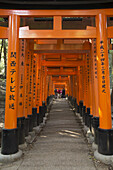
101,33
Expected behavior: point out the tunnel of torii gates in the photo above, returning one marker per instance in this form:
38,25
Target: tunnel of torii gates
33,73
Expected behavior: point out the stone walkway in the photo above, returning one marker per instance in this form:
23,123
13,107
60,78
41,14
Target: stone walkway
60,146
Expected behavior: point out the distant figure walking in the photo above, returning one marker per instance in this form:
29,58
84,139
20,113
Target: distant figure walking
58,93
63,93
55,93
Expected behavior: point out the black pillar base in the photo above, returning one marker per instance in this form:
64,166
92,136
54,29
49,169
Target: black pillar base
38,119
77,108
83,113
44,108
21,130
90,122
73,101
34,113
75,105
26,126
40,114
9,143
87,117
30,123
105,141
80,107
48,100
95,125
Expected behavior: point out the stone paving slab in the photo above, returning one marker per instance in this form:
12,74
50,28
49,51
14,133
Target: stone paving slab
60,146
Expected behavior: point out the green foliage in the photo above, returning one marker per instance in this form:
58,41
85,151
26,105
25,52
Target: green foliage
3,56
1,19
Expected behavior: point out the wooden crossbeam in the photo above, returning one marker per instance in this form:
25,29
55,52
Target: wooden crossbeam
60,79
62,51
61,73
57,34
63,63
90,32
34,13
4,32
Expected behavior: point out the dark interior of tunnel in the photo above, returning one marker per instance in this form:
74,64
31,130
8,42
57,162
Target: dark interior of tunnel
55,4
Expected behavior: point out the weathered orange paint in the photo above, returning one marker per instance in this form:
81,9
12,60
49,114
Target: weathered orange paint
40,104
26,69
80,77
103,73
12,73
21,77
35,76
63,63
84,84
37,82
87,82
30,84
95,104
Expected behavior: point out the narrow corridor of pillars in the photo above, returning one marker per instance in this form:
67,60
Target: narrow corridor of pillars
9,134
101,99
37,82
103,73
105,132
95,105
21,89
21,78
40,83
81,84
26,72
87,81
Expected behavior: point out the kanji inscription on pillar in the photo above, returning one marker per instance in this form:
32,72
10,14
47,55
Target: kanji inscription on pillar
103,66
12,80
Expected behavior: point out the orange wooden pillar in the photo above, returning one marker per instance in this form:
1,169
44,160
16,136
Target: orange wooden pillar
84,83
80,81
46,88
35,76
21,117
30,87
40,85
69,86
26,95
49,92
90,83
38,76
95,104
81,85
77,85
10,132
44,74
87,99
90,92
84,87
105,133
42,107
87,80
76,101
51,86
41,92
45,85
74,92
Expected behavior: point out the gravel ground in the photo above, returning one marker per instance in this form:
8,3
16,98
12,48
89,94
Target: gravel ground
60,146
